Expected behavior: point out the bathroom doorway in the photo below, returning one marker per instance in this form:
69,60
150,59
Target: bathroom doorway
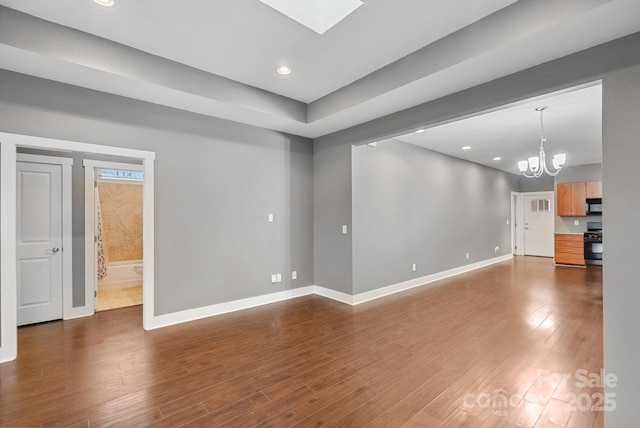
117,233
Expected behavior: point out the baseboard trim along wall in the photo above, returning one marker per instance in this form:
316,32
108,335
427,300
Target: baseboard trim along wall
251,302
223,308
424,280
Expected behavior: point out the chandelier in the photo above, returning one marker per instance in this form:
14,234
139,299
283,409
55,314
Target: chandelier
538,164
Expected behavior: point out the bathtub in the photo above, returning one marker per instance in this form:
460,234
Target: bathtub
127,273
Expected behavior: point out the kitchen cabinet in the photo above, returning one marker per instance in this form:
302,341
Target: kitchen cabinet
594,189
570,199
569,249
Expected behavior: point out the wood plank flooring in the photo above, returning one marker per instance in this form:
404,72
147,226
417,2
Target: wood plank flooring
483,349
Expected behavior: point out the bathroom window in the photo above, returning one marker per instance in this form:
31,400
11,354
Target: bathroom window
119,174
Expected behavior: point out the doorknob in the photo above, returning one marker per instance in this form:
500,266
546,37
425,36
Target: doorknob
55,249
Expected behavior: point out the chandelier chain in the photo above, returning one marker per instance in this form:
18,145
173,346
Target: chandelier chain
543,135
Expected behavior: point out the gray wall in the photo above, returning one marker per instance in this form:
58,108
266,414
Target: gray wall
332,209
621,154
412,205
577,173
542,184
216,182
569,174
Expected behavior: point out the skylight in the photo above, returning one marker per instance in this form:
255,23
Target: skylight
318,15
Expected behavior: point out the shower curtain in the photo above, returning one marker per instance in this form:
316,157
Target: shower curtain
102,255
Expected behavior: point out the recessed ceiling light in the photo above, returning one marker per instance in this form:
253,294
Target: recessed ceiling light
284,70
466,148
419,131
497,158
107,3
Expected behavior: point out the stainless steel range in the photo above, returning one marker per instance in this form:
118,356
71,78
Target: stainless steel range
593,243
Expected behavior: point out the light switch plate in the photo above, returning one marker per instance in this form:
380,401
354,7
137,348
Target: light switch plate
294,275
344,229
270,218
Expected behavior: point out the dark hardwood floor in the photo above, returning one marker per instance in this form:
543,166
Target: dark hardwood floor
483,349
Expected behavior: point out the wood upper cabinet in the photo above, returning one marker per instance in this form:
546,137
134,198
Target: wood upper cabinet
594,189
570,199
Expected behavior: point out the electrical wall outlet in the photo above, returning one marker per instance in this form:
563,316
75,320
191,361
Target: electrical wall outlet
576,222
414,267
294,275
270,218
278,277
495,250
467,255
274,278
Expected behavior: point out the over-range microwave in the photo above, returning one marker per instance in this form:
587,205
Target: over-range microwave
594,206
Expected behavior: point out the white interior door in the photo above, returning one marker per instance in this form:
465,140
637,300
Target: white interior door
39,242
538,224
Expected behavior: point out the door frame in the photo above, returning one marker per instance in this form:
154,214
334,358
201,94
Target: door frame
68,311
517,210
90,269
8,287
517,219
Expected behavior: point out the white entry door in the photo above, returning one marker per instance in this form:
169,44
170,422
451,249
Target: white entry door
39,242
538,224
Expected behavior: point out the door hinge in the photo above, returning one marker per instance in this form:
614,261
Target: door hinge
95,184
95,239
95,293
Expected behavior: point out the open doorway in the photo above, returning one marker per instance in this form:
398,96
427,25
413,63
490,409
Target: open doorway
113,211
81,292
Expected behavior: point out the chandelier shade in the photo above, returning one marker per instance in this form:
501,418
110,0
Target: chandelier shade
535,166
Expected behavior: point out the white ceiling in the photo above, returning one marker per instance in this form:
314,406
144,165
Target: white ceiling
218,58
246,40
572,122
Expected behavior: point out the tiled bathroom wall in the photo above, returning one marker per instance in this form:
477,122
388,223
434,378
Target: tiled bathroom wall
121,205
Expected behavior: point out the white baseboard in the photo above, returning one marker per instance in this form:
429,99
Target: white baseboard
237,305
223,308
424,280
80,312
7,354
333,294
